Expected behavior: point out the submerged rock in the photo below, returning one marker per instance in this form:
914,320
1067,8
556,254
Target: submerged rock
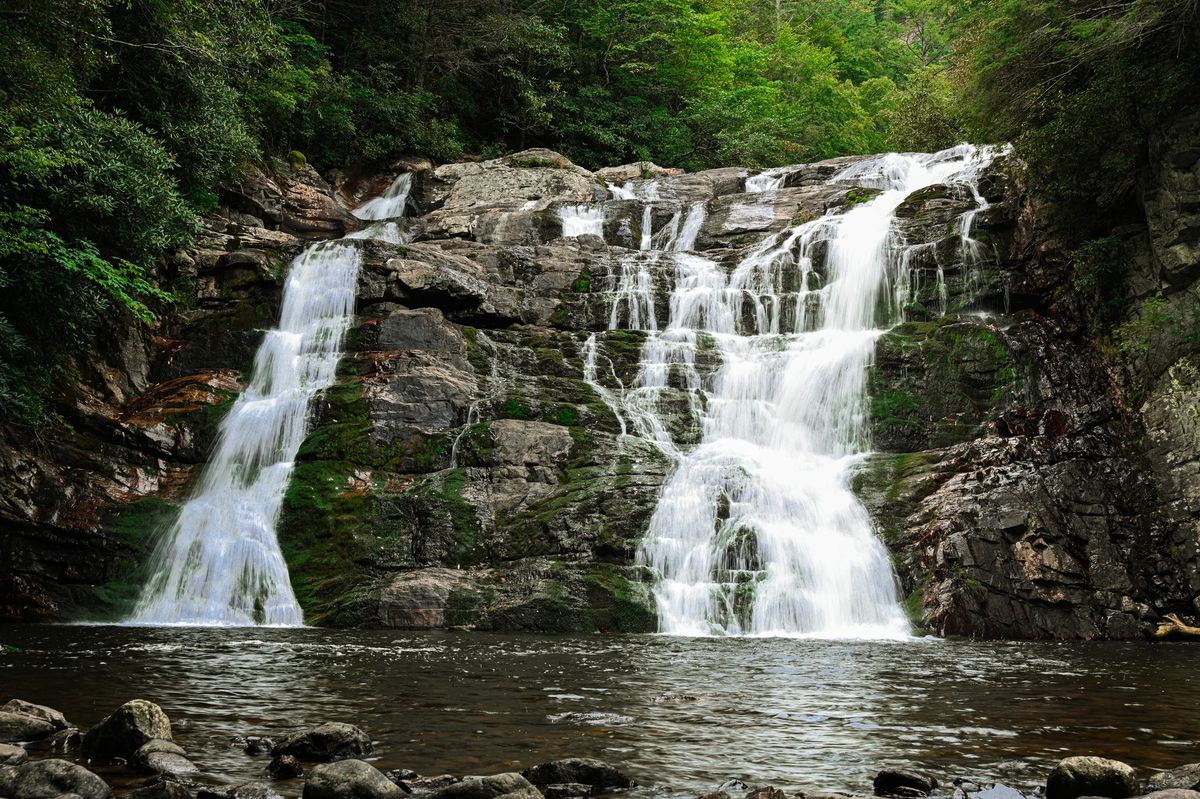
332,740
349,779
130,727
257,744
1091,776
567,790
46,779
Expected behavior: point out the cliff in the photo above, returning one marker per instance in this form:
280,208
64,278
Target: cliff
1029,482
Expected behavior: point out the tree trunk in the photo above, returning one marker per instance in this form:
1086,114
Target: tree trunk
1173,627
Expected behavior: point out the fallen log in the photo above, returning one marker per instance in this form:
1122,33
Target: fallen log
1173,627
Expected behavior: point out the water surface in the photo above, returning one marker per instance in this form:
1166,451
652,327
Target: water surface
796,713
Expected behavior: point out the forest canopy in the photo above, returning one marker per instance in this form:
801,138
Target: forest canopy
120,119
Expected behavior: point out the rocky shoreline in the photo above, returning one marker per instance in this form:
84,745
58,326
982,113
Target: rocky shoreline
133,753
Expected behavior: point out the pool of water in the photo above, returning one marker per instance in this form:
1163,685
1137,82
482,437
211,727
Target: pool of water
794,713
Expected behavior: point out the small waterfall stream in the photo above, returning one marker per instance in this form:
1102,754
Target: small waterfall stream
220,562
757,531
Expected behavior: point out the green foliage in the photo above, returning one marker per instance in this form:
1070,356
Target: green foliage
1080,85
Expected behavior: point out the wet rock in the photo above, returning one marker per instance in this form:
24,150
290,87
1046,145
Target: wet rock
46,779
424,786
349,779
163,757
510,785
160,789
61,741
734,786
12,755
1187,776
329,741
133,725
1091,776
766,792
57,719
258,745
903,783
596,773
713,795
241,790
285,767
22,727
567,790
401,775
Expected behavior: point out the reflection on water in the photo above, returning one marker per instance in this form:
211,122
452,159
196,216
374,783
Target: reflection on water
791,712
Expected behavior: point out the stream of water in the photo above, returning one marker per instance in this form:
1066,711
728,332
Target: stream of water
795,713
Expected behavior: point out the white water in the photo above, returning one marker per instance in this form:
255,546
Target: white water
220,562
757,531
581,220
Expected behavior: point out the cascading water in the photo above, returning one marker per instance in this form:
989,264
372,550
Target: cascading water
220,562
757,530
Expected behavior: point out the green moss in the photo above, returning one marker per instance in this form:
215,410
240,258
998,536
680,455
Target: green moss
514,408
564,415
139,526
297,159
583,283
888,408
859,195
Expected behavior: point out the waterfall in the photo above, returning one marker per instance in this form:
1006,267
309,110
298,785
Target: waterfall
582,220
220,562
757,530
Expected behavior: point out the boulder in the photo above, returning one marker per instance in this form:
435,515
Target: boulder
1091,776
160,789
714,795
596,773
1187,776
285,767
130,727
12,755
903,783
163,757
1173,793
329,741
510,785
349,779
37,711
46,779
22,727
241,790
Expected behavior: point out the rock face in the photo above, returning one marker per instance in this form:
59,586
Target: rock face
1091,776
1035,478
46,779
